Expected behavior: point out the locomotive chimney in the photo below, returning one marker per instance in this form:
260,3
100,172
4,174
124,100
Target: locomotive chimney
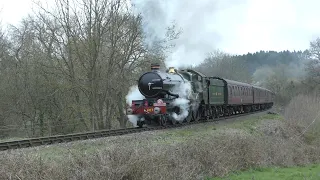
155,67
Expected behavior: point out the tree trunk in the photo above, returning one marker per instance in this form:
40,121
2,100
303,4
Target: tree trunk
107,117
122,119
41,119
79,113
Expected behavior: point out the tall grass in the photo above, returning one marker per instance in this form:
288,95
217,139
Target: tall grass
303,114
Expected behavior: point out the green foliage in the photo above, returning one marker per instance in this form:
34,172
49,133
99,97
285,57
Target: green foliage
293,173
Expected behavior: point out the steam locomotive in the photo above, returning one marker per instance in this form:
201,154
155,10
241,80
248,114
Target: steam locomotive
181,96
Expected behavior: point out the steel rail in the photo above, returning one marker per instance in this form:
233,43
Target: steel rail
32,142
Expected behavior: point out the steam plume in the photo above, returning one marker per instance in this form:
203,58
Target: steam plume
184,91
134,94
198,21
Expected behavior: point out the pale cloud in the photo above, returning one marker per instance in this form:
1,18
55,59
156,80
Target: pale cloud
11,11
276,25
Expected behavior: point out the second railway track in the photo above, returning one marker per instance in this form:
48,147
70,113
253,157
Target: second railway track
32,142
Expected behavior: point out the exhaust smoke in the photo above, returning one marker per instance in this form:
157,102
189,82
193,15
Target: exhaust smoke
185,93
134,94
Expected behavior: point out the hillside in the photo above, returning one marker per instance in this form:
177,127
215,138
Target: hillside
271,58
194,152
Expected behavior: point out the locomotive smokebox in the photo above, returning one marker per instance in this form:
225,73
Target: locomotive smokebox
156,84
150,84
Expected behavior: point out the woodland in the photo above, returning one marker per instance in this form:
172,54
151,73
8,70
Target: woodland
66,71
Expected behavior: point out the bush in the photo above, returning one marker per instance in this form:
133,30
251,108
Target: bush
303,114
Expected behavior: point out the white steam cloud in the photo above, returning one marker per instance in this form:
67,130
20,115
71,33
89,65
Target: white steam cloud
183,104
134,94
184,92
199,21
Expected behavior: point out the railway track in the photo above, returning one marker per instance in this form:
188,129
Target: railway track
32,142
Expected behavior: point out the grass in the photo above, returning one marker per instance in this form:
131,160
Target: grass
248,124
293,173
253,121
11,139
192,152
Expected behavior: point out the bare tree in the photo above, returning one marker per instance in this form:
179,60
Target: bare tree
69,68
96,47
224,65
313,66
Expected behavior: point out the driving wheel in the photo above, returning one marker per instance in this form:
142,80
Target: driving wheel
162,120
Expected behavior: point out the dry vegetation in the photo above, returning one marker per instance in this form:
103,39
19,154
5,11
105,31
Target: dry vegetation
187,153
303,114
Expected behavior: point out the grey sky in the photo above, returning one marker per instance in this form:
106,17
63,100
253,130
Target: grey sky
233,26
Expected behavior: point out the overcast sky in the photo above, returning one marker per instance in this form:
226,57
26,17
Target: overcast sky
234,26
